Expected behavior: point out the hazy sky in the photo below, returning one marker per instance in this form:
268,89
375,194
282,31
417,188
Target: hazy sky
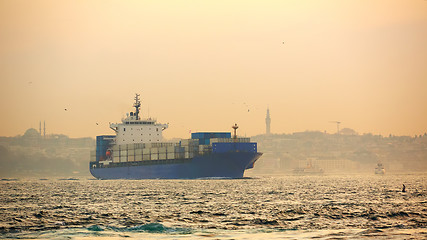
205,65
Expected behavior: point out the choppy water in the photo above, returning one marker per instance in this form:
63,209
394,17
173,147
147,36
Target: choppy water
279,207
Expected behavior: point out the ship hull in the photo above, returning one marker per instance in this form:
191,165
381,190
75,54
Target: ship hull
215,165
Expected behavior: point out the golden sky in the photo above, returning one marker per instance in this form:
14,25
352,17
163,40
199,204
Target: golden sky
205,65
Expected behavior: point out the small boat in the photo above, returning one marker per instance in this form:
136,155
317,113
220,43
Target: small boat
310,169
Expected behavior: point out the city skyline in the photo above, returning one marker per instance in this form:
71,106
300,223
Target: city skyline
344,131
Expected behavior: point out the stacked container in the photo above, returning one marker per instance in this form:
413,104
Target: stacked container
102,144
123,153
234,147
187,148
229,140
154,154
146,154
204,137
205,149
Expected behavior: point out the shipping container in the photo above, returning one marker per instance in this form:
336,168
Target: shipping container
179,149
123,153
179,155
146,157
189,142
162,144
131,152
170,149
162,156
102,144
154,156
188,154
205,149
138,157
200,135
162,150
184,142
229,140
234,147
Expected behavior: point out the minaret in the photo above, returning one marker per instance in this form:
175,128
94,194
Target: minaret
267,122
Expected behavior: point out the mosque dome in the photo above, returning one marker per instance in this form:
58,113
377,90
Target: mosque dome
31,133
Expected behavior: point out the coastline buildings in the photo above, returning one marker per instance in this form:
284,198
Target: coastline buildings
36,154
350,153
354,153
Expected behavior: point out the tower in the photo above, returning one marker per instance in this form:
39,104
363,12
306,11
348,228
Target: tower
267,122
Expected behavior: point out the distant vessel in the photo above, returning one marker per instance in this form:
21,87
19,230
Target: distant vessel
379,169
137,152
309,169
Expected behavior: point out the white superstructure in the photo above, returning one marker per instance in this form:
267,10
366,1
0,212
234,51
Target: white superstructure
133,129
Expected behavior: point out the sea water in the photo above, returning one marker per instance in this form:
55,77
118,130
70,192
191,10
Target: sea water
260,207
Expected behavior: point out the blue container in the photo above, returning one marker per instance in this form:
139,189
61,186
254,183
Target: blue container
234,147
209,135
102,144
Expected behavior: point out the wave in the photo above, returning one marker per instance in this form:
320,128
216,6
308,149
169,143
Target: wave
148,228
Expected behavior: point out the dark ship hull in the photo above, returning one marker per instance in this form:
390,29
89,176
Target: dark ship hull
214,165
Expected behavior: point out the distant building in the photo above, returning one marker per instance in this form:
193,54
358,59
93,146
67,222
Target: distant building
267,122
31,134
31,138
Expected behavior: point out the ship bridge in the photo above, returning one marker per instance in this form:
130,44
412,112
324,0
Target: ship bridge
133,129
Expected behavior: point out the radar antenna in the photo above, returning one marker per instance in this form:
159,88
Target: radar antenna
137,105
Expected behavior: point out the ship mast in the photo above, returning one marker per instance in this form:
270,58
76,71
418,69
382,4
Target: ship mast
137,105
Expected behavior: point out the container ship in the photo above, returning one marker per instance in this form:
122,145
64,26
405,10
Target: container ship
137,151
